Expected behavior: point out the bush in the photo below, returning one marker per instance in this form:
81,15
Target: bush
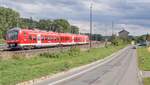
17,56
49,55
74,51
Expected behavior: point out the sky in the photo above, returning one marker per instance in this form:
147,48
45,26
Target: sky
131,15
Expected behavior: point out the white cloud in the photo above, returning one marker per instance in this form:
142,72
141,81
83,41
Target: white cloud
102,7
135,16
83,25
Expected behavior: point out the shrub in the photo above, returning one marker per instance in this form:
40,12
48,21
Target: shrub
49,55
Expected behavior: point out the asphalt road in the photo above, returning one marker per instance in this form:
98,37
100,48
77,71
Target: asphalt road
120,70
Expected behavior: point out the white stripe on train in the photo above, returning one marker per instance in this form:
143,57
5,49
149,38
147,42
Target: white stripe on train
50,44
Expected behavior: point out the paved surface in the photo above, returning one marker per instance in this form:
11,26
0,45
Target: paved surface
146,73
121,70
2,46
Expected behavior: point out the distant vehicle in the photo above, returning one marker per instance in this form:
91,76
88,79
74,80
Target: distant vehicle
142,44
26,38
134,47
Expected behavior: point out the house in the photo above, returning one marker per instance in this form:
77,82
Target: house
123,34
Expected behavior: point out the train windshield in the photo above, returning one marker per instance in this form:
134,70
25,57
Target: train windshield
12,35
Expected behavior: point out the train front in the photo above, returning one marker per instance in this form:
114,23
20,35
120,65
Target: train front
12,38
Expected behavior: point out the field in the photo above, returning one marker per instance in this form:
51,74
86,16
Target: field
18,69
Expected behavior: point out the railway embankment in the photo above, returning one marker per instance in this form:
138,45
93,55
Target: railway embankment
16,69
7,54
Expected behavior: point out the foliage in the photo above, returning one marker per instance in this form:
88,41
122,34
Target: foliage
74,30
95,37
18,70
8,19
28,23
44,24
142,38
64,24
55,27
119,41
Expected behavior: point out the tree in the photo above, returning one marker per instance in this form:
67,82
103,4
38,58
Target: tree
97,37
64,24
44,24
28,23
8,19
56,27
74,30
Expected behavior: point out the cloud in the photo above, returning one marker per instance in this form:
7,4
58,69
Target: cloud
133,15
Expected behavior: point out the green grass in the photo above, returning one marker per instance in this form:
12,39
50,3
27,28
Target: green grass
144,62
146,81
17,70
144,59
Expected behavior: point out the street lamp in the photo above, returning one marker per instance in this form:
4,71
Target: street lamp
91,23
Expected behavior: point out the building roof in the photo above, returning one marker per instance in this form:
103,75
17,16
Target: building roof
123,31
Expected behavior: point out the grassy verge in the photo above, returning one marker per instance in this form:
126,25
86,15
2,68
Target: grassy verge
144,62
144,59
146,81
17,70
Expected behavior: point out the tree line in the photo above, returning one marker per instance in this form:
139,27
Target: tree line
10,18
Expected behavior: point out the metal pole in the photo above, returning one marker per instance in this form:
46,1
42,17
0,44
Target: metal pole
91,24
112,28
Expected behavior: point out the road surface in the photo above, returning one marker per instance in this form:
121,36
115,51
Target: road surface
120,70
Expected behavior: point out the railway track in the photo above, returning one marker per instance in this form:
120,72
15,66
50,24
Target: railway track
5,54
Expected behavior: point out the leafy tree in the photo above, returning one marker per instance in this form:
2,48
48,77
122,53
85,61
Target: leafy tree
44,24
97,37
8,19
74,30
28,23
56,27
64,24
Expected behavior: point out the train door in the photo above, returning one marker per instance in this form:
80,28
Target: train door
39,39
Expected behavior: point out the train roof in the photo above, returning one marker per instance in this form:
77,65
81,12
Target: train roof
35,30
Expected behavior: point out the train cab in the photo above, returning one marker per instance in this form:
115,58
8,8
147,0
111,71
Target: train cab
12,37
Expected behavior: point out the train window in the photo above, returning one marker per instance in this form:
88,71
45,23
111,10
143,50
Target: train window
51,38
46,38
61,38
78,39
34,38
42,38
30,37
39,38
67,38
25,34
57,38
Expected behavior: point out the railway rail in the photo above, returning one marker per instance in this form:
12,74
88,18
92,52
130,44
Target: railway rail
5,54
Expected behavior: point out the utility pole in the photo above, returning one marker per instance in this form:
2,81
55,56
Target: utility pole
91,4
105,35
112,27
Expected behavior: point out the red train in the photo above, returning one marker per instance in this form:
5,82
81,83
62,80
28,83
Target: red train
26,38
